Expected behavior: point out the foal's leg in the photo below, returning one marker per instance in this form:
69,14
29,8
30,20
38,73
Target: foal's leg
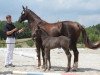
67,52
46,57
43,54
38,55
76,54
49,60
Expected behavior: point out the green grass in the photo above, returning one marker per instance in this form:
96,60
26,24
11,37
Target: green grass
28,42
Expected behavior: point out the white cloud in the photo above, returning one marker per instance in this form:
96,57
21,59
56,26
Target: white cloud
69,4
88,20
84,11
39,0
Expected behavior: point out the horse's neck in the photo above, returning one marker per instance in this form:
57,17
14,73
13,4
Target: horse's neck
36,20
33,18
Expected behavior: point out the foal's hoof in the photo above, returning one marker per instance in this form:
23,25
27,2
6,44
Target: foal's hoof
37,67
68,69
44,69
48,69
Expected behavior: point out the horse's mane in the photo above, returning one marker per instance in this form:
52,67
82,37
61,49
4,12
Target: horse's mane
33,14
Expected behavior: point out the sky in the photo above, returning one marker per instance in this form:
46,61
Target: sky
86,12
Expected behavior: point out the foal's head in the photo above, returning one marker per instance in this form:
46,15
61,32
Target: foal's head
39,32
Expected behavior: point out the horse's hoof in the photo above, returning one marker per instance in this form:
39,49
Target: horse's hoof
38,67
73,69
75,66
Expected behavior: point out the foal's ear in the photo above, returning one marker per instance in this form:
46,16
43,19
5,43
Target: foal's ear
38,27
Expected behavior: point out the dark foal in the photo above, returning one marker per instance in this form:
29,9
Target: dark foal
50,42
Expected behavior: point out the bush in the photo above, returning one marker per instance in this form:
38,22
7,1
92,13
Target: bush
30,43
2,43
18,46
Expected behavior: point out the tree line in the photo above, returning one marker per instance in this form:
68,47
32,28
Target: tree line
25,34
93,31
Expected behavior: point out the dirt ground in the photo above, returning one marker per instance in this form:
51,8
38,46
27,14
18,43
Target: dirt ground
26,62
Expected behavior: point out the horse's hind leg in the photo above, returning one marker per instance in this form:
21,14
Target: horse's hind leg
76,53
67,52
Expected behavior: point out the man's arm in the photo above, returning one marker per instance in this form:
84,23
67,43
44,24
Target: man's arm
12,31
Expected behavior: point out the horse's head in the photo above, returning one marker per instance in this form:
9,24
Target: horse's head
29,15
24,14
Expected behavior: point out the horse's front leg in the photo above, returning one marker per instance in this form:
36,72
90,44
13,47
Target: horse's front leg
38,55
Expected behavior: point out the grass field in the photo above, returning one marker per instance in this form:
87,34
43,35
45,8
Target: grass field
27,42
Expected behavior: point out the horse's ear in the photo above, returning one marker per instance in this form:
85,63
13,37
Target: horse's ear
26,7
23,7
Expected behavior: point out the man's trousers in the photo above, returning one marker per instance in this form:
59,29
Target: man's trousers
9,51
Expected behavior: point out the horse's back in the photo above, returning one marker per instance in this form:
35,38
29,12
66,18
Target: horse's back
72,30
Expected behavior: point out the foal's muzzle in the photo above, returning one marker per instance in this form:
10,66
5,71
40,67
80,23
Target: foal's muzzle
33,36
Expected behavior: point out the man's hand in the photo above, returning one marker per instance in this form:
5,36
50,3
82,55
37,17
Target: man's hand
15,29
21,30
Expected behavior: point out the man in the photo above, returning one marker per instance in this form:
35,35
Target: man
10,31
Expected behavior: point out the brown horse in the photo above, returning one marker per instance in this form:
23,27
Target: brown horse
65,28
49,42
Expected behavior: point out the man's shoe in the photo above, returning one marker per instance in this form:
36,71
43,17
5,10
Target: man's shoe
6,66
11,65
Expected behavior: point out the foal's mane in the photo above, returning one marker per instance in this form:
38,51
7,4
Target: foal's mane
44,33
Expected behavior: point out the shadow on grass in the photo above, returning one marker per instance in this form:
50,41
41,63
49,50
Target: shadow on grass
25,65
56,68
59,68
6,73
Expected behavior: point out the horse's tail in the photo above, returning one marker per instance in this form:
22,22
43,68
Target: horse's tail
86,40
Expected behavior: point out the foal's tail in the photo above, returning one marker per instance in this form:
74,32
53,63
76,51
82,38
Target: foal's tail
86,40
